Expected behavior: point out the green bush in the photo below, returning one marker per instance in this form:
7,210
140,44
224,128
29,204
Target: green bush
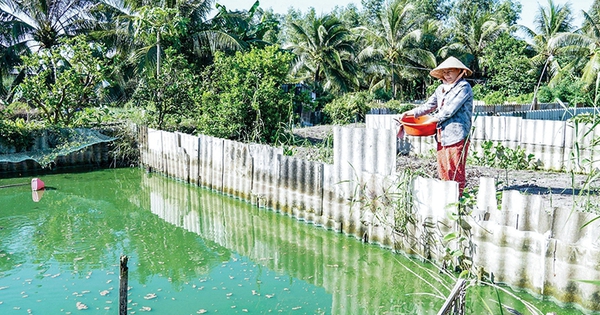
64,79
495,98
349,108
569,91
395,106
242,97
18,134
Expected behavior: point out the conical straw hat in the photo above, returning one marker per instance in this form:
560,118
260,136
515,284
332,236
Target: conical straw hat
450,63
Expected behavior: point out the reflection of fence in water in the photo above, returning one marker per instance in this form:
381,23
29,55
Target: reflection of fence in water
358,277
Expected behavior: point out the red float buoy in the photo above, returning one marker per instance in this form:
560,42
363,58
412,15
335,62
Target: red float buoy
37,184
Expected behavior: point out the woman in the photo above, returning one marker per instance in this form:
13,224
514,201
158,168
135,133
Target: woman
453,100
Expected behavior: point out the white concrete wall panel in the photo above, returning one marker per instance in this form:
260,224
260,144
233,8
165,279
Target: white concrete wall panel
265,163
301,188
237,169
211,162
191,145
155,140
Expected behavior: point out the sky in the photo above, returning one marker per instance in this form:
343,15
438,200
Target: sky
530,7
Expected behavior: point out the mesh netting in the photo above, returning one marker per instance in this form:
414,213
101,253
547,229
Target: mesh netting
54,144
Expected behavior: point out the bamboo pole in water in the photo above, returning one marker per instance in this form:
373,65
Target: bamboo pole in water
14,185
123,275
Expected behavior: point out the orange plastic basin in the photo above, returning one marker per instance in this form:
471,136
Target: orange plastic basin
415,126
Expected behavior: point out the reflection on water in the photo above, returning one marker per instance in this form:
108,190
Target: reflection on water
36,195
192,251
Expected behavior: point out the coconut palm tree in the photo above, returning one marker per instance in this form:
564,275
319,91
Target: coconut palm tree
324,54
141,31
183,25
393,51
550,21
470,39
246,28
39,24
584,46
27,26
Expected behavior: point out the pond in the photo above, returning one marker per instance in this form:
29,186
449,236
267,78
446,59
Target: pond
194,251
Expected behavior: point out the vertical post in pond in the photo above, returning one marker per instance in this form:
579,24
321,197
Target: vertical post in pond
123,275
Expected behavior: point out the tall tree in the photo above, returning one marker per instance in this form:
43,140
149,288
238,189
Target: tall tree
394,51
583,48
247,27
32,25
349,15
432,9
37,24
549,22
138,33
325,54
372,10
508,67
472,36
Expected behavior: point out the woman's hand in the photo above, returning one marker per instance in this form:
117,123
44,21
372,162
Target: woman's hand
406,113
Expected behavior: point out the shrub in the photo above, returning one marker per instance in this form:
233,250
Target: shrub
394,106
18,134
349,108
64,79
569,90
242,97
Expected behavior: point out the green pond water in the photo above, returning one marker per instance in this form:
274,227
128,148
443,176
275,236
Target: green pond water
194,251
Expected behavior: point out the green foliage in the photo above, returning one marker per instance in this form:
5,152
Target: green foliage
508,68
570,91
499,97
64,79
18,134
478,92
250,28
497,155
586,118
169,98
349,108
431,88
394,106
153,23
496,97
92,116
325,54
242,97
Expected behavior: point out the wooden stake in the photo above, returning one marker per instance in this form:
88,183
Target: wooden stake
123,275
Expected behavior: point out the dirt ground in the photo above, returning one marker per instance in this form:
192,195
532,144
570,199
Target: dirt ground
557,186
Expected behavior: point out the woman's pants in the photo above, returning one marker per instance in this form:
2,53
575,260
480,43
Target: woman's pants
451,163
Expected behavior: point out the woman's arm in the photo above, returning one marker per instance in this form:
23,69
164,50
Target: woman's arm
427,107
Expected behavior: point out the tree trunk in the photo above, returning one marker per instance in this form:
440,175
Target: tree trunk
157,54
393,81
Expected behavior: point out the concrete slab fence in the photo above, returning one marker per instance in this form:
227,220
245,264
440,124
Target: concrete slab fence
522,240
556,145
